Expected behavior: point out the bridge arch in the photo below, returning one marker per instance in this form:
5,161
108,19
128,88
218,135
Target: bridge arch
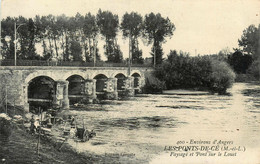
78,73
75,77
114,74
37,74
137,77
40,92
120,81
76,88
96,73
100,82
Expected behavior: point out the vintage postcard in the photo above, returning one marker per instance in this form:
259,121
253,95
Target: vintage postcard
130,81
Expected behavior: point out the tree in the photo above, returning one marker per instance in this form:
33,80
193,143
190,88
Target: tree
180,71
64,32
250,44
136,53
250,41
7,38
90,29
131,26
25,38
108,26
76,51
222,77
240,62
40,34
156,29
53,33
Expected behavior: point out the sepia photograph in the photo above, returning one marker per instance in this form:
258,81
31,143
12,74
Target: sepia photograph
130,82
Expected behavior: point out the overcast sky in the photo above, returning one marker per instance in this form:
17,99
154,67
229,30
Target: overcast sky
204,26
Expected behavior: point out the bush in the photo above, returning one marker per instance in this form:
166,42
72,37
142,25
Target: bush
153,85
180,71
243,78
254,70
222,77
240,62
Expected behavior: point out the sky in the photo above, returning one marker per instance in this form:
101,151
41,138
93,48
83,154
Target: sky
202,26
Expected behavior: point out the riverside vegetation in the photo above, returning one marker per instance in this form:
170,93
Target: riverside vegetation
180,70
214,72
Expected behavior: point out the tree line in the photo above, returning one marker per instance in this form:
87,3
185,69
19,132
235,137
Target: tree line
180,70
245,60
213,72
248,55
75,38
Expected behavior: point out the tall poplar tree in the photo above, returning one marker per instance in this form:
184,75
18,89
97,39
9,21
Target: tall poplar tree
108,26
131,26
156,29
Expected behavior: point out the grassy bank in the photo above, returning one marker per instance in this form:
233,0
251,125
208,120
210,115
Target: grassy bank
21,147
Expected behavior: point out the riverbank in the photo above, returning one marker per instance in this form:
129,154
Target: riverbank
184,92
19,146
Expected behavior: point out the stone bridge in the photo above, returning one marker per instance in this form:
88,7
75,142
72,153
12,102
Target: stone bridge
62,86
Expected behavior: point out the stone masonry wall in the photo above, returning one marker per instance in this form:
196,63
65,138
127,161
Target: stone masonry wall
17,79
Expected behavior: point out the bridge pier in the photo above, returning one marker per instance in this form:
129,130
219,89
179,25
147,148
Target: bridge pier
138,83
90,90
111,89
129,86
61,99
24,96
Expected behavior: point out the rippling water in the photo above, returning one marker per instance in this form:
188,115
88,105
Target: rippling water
145,125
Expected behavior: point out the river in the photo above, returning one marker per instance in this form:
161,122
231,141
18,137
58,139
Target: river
141,128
